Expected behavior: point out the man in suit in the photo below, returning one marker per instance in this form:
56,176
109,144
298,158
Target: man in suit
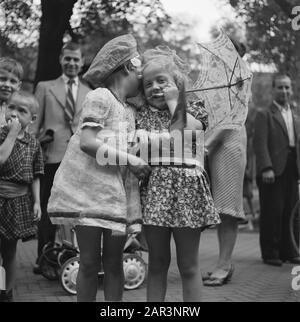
276,145
60,102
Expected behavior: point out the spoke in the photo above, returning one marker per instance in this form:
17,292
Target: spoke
233,70
228,82
230,103
216,87
236,95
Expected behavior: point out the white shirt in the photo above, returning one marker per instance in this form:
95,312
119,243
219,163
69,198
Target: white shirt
288,119
74,86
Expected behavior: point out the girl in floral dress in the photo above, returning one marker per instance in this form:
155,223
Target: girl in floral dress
176,200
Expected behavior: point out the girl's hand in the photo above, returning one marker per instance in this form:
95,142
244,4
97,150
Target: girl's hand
14,126
37,212
141,170
171,93
142,137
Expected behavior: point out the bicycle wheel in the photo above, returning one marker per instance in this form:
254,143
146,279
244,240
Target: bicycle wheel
295,226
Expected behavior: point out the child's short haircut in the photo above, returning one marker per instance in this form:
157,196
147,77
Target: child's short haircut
33,103
12,66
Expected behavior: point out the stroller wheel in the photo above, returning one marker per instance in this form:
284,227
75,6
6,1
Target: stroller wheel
64,255
48,263
134,271
68,277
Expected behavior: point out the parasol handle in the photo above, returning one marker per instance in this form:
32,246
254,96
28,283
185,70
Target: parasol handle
217,87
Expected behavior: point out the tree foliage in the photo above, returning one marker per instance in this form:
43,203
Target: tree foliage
26,23
270,36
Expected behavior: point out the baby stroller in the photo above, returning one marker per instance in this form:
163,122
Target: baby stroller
61,261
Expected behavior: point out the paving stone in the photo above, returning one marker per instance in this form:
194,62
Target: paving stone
252,280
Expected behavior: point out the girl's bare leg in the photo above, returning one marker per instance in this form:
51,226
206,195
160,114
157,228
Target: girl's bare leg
158,240
89,242
8,250
187,242
113,247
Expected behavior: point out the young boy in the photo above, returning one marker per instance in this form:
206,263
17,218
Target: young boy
21,165
11,73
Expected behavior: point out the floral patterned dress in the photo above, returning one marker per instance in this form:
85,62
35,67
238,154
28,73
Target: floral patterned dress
175,196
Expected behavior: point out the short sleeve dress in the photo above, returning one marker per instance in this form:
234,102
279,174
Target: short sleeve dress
24,164
175,197
86,193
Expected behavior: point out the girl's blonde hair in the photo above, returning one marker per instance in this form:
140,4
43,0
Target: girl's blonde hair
163,55
12,66
30,98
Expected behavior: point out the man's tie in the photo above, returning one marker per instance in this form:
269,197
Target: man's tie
70,103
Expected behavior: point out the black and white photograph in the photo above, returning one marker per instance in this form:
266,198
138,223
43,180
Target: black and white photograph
149,153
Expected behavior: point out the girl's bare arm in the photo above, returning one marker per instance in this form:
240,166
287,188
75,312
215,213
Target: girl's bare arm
91,146
35,188
7,146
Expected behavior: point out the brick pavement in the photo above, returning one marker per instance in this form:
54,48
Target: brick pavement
252,280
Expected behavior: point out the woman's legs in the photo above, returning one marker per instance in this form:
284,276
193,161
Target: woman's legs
8,250
89,242
112,256
187,248
227,234
158,240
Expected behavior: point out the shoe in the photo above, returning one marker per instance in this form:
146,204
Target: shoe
243,222
6,296
273,262
36,270
206,276
220,281
295,260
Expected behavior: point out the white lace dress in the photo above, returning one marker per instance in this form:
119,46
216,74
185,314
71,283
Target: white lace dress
85,193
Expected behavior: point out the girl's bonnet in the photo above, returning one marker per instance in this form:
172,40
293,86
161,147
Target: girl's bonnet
112,55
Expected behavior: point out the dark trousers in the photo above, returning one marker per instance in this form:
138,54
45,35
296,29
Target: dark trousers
277,201
46,230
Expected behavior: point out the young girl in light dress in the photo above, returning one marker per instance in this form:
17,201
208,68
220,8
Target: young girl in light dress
102,199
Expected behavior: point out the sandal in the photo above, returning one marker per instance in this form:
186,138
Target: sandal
220,281
206,276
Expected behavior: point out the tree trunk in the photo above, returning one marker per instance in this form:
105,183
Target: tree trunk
54,23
